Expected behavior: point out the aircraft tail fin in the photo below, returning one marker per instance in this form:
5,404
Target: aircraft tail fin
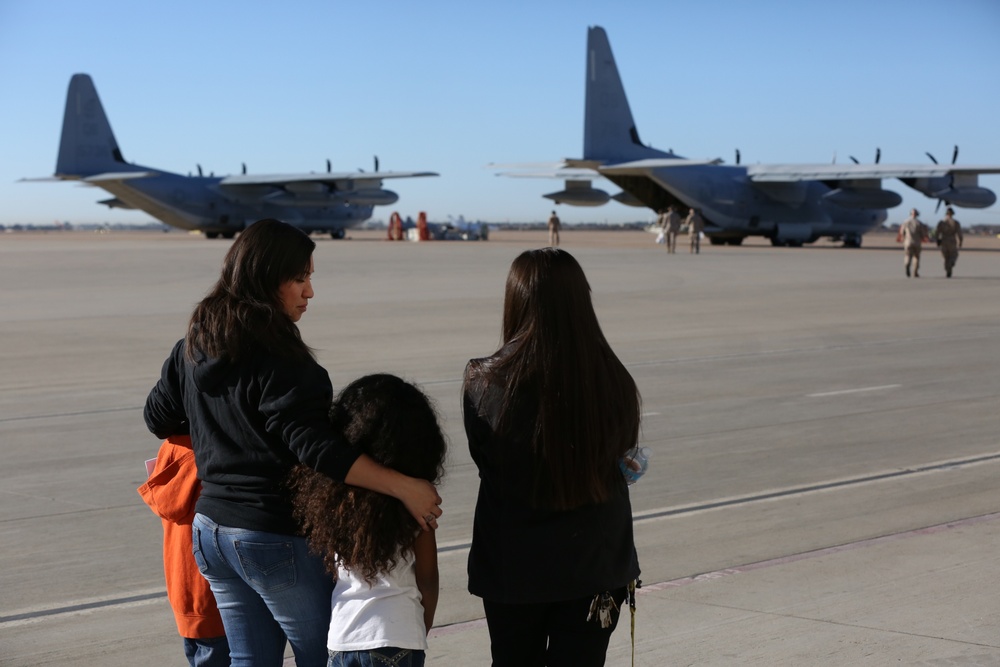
609,133
88,145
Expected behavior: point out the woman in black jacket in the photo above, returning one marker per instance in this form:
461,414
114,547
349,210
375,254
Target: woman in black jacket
549,417
256,402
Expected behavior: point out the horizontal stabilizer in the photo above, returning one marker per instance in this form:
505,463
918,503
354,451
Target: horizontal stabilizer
644,166
117,176
574,174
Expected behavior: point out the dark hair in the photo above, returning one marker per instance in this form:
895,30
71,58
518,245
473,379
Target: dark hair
243,311
364,531
585,405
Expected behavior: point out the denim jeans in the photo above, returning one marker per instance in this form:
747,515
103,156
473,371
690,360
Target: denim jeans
377,657
268,587
212,652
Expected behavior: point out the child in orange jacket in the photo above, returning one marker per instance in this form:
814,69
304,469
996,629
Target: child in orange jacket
171,492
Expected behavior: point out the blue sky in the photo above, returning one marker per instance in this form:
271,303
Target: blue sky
452,86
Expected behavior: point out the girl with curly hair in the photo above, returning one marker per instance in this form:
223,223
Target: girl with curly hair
385,567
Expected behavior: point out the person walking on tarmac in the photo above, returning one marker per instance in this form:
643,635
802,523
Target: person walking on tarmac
911,234
672,227
554,230
695,225
949,238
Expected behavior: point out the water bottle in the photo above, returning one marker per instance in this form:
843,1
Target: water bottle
633,465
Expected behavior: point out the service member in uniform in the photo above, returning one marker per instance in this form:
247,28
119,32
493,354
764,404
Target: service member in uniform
949,237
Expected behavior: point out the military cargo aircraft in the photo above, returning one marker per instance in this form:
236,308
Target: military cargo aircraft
328,202
791,204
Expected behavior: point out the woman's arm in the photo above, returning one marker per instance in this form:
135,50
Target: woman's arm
418,495
426,569
164,409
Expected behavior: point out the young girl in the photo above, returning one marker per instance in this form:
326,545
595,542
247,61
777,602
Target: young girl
386,567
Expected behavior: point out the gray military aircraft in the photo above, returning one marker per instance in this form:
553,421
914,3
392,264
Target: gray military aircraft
327,202
791,204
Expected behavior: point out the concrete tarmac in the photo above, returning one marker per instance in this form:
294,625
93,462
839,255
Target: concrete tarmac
823,488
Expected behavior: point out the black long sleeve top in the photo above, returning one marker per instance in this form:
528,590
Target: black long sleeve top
521,554
249,422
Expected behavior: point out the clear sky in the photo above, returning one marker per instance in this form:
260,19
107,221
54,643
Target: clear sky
450,86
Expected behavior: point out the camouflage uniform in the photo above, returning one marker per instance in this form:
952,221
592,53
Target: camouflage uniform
671,225
695,225
949,236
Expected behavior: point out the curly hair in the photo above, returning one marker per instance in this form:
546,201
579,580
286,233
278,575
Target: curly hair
367,532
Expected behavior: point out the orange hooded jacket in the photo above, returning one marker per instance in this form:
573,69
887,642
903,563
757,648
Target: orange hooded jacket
171,492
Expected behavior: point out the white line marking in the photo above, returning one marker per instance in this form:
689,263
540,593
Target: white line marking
650,414
854,391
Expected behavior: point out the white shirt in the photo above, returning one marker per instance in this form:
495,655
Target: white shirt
389,613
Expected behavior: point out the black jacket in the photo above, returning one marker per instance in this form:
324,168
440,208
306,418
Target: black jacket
521,554
249,423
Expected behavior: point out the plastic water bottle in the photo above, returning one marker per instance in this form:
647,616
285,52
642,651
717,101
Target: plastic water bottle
634,464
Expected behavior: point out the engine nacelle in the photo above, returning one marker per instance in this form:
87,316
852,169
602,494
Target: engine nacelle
968,197
863,198
628,199
579,193
371,197
961,189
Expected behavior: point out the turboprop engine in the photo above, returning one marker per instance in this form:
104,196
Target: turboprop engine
863,198
579,193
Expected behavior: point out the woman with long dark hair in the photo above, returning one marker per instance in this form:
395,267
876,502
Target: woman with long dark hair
247,389
549,416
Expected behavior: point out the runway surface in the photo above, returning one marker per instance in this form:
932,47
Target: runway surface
823,488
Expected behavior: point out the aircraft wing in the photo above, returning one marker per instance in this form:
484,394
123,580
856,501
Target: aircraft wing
326,178
789,173
95,179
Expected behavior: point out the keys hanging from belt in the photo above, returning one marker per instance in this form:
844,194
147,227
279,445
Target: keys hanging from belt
601,608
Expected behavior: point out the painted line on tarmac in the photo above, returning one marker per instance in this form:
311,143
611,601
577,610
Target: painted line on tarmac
854,391
668,512
15,620
645,589
81,413
813,488
818,553
459,546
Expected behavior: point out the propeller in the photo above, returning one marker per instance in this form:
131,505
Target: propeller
737,156
376,163
199,170
328,165
951,177
244,167
878,156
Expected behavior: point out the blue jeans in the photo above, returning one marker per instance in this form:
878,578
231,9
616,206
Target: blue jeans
268,587
212,652
377,657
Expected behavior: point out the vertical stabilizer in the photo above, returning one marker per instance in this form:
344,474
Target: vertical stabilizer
88,145
609,133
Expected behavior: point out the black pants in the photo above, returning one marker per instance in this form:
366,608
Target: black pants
555,634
